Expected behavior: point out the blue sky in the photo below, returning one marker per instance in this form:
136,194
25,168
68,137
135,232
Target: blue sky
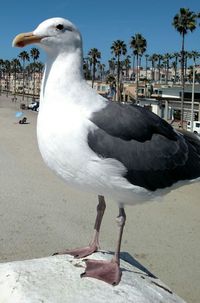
101,23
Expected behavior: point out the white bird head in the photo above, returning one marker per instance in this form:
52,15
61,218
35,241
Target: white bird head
54,35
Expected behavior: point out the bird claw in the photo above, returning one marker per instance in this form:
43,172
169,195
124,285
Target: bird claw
107,271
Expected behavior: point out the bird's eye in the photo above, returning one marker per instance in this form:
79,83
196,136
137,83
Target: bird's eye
60,27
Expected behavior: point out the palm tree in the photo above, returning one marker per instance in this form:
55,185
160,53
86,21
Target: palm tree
139,45
133,67
195,55
153,58
127,65
118,48
32,68
1,72
159,65
24,56
101,68
166,58
187,56
174,67
164,64
35,53
175,64
110,79
15,68
94,54
146,63
112,65
146,74
7,70
183,22
40,69
86,68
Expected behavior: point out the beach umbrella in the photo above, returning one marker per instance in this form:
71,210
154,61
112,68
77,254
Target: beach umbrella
18,114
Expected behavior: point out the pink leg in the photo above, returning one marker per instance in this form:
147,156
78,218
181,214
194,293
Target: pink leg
94,244
108,271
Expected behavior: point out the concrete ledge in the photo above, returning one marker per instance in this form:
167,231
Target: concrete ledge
57,279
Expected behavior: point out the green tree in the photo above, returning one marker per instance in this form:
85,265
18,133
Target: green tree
139,45
195,55
175,56
183,22
7,71
1,72
40,69
187,55
94,54
86,68
153,59
24,56
101,69
133,66
166,58
15,67
118,48
112,65
127,65
146,64
110,79
159,65
35,53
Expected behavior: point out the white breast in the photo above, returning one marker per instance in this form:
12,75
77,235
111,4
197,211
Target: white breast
62,139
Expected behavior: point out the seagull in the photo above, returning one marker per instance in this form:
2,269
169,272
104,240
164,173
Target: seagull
119,151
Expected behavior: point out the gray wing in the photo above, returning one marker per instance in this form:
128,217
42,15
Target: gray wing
155,157
131,122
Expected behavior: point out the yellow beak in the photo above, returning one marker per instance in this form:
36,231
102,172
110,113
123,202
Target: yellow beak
24,39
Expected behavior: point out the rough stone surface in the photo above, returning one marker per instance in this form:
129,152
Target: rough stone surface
57,279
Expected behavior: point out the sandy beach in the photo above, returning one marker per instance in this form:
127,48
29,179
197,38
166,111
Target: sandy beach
40,214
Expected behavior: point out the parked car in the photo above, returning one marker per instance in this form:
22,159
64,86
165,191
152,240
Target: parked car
34,105
196,127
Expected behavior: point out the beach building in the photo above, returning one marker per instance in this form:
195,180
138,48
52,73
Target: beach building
172,97
30,85
163,99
